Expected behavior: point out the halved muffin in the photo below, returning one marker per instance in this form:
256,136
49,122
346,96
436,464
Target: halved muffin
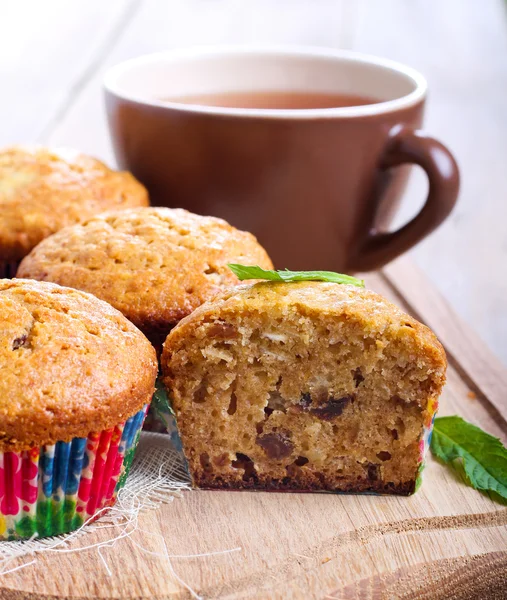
44,189
303,386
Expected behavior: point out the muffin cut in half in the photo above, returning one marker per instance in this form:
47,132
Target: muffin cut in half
303,386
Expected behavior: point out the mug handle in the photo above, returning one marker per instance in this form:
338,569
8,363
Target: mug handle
410,146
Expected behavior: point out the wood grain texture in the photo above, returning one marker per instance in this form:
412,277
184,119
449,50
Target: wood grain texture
436,578
446,541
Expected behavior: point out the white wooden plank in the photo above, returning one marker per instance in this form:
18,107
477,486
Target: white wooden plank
461,48
46,48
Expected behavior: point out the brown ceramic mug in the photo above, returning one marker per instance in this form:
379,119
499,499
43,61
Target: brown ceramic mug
317,186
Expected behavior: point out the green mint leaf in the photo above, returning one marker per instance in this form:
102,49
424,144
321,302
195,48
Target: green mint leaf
244,272
484,457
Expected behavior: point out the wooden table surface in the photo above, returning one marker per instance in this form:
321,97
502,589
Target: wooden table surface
446,542
53,55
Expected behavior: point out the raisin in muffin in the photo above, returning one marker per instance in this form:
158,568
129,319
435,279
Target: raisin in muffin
303,386
43,190
155,265
77,378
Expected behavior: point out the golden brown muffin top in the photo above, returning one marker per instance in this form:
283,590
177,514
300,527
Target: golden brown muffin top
43,190
374,315
70,365
155,265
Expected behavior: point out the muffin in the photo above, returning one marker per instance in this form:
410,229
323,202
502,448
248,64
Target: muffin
76,381
303,386
43,190
155,265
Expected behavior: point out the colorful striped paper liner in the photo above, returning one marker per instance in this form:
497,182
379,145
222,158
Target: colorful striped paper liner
8,270
54,489
160,417
425,441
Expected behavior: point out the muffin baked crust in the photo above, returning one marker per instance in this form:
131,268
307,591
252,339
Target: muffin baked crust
307,386
70,365
155,265
43,190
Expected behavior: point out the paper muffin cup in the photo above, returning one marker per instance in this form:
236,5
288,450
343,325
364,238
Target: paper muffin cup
54,489
425,441
8,270
160,417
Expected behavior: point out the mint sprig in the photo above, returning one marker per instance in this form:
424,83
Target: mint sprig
244,272
484,456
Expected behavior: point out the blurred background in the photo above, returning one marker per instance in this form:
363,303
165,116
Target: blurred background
53,55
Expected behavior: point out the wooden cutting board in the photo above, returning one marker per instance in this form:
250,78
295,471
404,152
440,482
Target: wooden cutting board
447,541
